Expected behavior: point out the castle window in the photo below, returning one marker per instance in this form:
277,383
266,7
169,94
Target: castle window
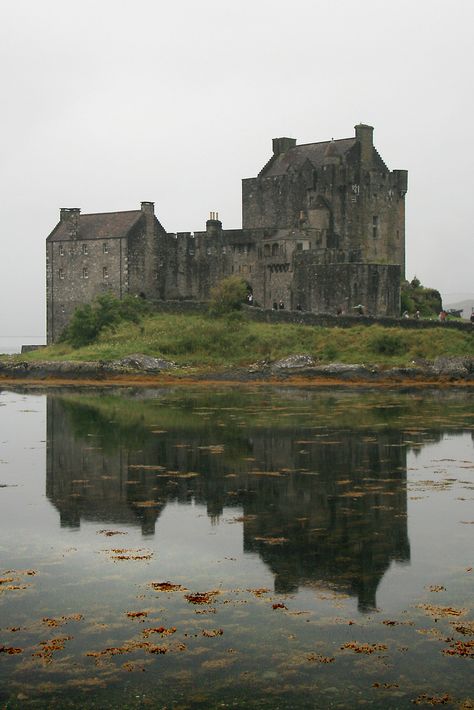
84,249
266,250
61,274
299,246
105,248
275,249
375,226
85,273
61,250
105,272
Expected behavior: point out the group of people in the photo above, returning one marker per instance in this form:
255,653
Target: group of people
416,315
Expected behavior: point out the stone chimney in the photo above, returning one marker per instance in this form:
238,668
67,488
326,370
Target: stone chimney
71,216
148,208
281,145
213,224
365,135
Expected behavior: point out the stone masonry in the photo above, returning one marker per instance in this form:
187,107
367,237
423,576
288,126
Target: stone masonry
323,230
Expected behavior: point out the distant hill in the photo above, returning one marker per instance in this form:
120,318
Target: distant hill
466,306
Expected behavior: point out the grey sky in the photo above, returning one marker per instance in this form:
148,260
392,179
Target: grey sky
105,104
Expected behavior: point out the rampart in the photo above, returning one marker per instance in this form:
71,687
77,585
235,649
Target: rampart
325,320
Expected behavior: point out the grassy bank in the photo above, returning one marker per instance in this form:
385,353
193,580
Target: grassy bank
205,342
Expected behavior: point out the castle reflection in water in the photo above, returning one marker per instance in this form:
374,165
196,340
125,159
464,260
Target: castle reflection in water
332,499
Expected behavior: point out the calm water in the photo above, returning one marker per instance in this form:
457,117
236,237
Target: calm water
318,547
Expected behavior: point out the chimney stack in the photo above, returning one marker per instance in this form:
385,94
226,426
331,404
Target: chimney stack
281,145
148,207
213,224
365,136
70,216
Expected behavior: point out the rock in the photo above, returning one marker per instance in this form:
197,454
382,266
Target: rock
293,362
144,363
455,366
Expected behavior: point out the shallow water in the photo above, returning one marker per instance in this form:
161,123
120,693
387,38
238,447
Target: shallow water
318,544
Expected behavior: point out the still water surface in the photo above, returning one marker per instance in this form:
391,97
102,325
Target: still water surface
261,548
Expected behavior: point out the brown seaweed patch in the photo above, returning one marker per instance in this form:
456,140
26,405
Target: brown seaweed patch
131,554
10,650
367,648
460,648
61,620
167,587
425,699
318,658
211,633
467,628
202,597
163,631
259,592
51,646
441,611
110,533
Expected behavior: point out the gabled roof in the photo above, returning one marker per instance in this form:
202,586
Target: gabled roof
294,158
103,225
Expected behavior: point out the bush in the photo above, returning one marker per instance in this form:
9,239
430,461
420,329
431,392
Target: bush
387,344
106,311
228,296
415,297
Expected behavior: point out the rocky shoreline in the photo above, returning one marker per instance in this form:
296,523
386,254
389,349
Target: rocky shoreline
146,369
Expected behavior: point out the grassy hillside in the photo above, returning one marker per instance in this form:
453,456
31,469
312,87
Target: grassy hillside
210,342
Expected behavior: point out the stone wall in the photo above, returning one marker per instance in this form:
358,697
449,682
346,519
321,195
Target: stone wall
326,320
326,288
77,271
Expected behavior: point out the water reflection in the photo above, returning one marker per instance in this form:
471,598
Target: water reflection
323,500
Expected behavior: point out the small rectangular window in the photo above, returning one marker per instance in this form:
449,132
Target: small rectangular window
375,226
85,273
105,248
84,249
105,272
61,250
61,273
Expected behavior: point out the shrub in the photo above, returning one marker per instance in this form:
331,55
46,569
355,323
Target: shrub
415,297
106,311
387,344
228,295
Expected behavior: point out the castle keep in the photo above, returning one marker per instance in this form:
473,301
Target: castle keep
323,228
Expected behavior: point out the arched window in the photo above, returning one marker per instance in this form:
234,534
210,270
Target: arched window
275,249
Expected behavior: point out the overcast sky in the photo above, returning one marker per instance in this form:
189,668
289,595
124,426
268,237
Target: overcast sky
105,104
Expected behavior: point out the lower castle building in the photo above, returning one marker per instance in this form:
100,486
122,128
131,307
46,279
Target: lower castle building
323,230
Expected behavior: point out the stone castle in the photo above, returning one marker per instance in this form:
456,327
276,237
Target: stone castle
323,230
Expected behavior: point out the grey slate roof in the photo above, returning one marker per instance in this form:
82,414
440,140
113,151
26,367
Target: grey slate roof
103,225
314,152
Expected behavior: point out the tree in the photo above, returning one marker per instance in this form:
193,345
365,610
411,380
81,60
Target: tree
106,311
228,295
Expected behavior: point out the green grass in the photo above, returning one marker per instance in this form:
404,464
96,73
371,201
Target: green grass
205,342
